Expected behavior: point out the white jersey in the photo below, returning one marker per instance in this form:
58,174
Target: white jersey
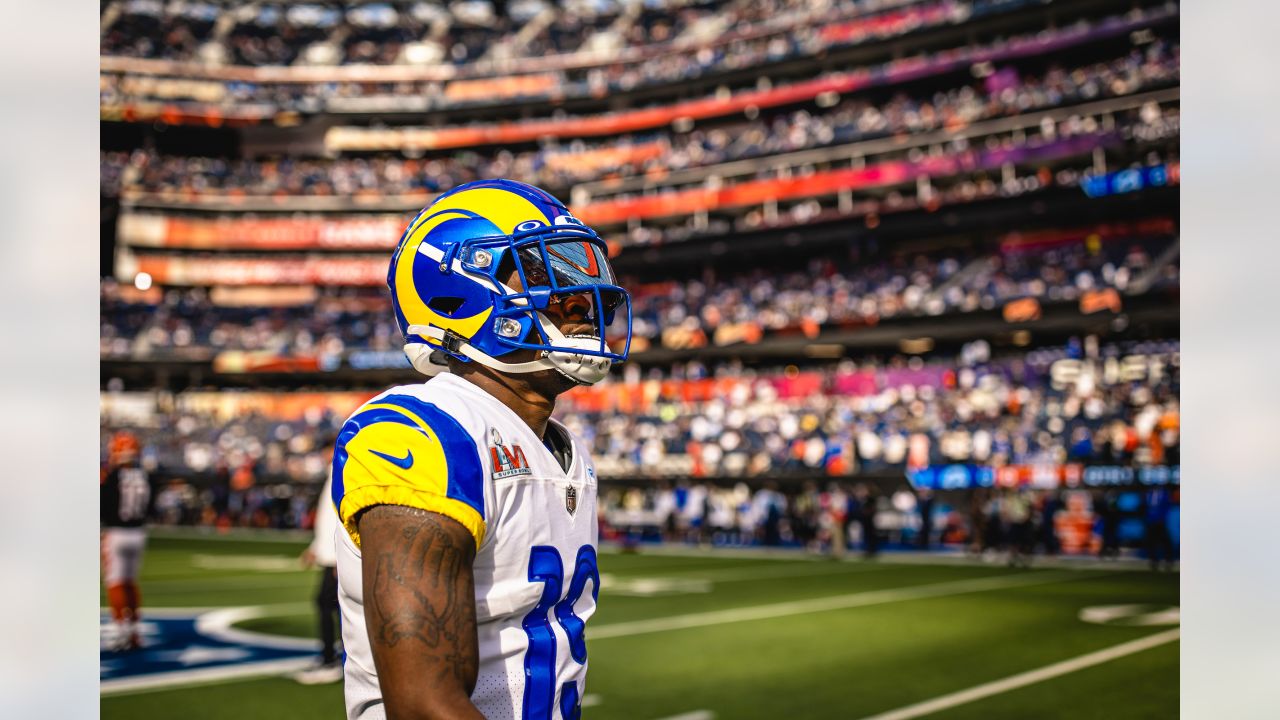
450,447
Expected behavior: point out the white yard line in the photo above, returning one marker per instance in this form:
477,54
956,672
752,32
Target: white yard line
768,571
837,602
1014,682
187,678
695,715
220,625
696,551
253,563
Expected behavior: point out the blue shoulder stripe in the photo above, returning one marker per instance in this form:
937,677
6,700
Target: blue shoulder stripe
352,426
466,475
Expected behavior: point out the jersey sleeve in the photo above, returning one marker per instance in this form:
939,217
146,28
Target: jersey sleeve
402,450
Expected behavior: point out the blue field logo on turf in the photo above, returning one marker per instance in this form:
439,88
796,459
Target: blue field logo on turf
182,646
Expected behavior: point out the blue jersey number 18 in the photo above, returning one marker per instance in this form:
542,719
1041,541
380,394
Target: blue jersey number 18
540,660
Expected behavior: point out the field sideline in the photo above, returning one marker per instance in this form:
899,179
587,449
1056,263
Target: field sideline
703,634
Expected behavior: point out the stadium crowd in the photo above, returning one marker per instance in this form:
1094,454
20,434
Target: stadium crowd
188,319
471,31
118,88
903,413
827,293
1003,93
1080,403
1012,523
1110,404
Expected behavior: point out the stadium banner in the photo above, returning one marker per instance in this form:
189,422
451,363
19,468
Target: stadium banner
1111,371
1037,240
173,88
512,86
889,24
898,172
377,360
608,157
961,476
1021,310
358,232
1098,300
139,408
747,332
1131,180
274,296
285,406
191,113
235,362
213,270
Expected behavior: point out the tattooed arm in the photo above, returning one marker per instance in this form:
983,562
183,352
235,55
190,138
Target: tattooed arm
419,607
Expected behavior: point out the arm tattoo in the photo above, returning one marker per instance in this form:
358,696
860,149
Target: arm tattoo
422,594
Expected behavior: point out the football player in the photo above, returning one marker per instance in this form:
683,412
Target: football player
125,504
467,549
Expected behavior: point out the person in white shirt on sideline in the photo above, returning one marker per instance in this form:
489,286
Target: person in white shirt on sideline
320,553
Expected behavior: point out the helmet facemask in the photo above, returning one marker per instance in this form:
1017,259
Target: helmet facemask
550,265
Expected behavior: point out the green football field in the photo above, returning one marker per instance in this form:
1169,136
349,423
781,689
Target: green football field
708,634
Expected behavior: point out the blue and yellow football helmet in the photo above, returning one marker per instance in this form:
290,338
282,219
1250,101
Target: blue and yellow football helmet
448,282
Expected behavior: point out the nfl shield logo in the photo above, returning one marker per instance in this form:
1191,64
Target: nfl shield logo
571,499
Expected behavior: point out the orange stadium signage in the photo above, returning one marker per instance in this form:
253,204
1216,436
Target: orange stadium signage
360,138
888,24
1022,310
607,157
166,270
1099,300
379,232
502,87
284,406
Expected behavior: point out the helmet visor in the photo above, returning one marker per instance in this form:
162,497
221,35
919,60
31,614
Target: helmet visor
570,267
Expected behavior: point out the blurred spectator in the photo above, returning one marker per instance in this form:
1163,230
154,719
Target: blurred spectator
1159,541
867,499
924,504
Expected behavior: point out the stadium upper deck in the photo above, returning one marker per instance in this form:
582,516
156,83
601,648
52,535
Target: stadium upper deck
831,37
146,178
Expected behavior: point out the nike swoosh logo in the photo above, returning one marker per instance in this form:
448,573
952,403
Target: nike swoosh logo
405,462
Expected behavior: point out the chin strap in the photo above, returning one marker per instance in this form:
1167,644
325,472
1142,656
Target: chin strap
580,368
